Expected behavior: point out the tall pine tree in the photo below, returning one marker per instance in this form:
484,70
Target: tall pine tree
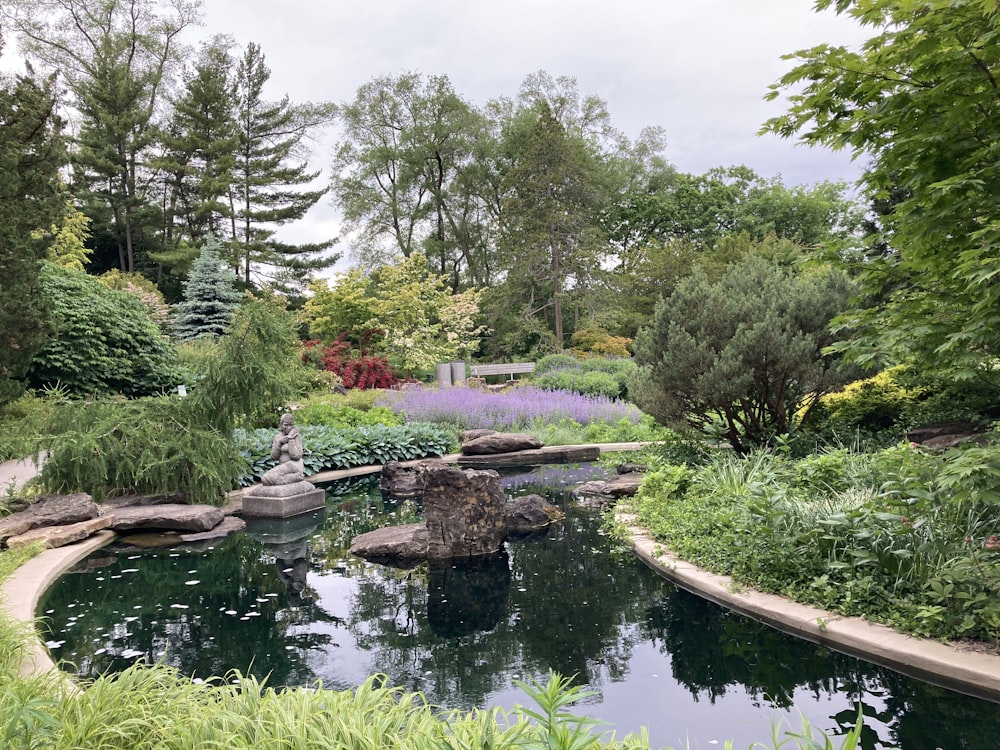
268,187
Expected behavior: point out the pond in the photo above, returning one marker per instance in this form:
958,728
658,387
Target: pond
285,600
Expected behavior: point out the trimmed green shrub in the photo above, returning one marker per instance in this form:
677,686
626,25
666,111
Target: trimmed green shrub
23,424
589,376
103,342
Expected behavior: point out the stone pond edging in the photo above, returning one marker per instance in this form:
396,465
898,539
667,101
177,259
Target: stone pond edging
947,665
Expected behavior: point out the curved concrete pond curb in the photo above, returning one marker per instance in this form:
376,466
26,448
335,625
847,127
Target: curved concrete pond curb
21,592
947,665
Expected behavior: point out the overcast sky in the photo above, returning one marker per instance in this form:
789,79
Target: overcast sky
697,68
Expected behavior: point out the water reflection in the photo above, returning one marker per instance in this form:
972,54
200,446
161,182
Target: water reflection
286,601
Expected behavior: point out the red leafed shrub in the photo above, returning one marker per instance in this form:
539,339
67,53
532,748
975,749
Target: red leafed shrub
336,356
368,372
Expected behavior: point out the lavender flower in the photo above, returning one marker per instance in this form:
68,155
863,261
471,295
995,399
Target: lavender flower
512,409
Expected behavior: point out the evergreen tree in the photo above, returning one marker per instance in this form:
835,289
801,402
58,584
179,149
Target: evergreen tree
210,297
30,199
266,190
199,152
115,58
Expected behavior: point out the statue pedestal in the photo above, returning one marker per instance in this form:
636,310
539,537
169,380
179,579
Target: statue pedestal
283,500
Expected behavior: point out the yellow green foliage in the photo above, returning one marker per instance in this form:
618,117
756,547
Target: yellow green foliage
875,403
590,341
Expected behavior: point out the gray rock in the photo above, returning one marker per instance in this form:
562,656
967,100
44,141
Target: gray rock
49,510
465,512
394,544
624,485
468,435
530,513
630,468
500,442
60,536
170,517
228,525
401,480
558,454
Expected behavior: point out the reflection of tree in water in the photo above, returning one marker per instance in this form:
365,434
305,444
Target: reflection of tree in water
713,649
233,617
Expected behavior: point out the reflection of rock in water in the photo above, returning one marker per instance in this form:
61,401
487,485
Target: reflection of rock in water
467,596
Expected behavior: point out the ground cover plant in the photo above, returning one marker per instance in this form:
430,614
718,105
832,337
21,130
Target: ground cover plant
902,536
556,417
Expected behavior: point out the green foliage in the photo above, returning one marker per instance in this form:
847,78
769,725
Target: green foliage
401,310
146,446
328,415
879,404
269,182
210,296
31,153
347,447
742,356
103,341
590,376
896,536
598,341
246,381
23,425
917,103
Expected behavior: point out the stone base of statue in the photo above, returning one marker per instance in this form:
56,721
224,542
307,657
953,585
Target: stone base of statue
283,500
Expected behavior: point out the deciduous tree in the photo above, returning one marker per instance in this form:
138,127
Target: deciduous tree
918,103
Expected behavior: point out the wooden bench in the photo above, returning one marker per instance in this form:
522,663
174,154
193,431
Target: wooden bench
511,369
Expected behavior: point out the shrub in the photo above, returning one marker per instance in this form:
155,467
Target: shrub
872,405
104,341
329,415
148,446
743,353
23,425
592,376
591,341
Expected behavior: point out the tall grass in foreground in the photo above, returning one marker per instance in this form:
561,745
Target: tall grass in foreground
155,708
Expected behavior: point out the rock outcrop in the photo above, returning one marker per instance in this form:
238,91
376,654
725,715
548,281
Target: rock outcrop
530,513
465,512
49,510
171,516
500,442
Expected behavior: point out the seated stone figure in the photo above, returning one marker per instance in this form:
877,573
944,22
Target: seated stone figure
287,451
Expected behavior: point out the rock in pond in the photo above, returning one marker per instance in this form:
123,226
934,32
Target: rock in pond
500,442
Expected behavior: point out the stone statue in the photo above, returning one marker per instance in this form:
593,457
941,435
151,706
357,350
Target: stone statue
283,491
287,451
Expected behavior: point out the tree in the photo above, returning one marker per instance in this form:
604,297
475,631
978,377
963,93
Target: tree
551,240
919,102
401,310
102,342
210,297
31,153
743,356
266,188
199,151
115,57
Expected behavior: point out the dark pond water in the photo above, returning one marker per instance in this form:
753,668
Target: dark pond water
285,600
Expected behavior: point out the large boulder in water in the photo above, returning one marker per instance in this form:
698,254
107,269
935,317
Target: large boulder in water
465,511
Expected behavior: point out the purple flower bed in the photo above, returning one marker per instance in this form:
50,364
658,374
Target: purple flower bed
513,409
